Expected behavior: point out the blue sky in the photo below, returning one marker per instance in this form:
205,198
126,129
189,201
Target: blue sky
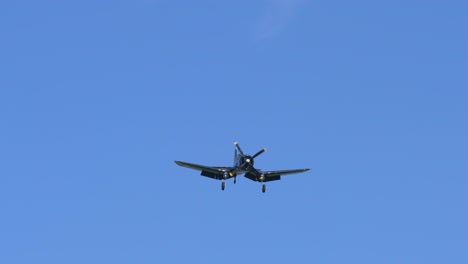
98,98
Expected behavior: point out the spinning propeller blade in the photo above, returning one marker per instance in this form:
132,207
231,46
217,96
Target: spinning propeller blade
238,148
258,153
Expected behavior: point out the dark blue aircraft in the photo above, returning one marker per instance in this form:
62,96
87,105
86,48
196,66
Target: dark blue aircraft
243,164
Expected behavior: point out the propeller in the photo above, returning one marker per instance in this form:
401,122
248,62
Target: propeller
238,148
248,158
258,153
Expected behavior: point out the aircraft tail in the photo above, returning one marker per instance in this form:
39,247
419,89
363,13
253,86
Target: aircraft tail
235,156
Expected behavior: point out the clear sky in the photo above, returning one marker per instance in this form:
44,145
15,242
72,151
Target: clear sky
98,98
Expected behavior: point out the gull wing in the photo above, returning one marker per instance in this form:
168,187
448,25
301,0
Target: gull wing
282,172
208,171
271,175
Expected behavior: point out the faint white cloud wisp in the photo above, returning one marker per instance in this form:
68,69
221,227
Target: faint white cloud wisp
275,18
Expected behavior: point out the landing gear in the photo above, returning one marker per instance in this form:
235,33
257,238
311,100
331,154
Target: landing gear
234,180
223,185
263,188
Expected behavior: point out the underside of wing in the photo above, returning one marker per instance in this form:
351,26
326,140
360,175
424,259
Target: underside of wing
208,171
282,172
271,175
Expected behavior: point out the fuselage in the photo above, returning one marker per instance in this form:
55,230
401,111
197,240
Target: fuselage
243,164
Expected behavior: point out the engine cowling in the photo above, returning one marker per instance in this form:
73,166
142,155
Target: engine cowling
247,160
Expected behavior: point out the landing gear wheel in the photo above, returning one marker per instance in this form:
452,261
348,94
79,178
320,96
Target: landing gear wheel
263,188
223,185
234,180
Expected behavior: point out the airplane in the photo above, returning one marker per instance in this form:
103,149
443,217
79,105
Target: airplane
243,164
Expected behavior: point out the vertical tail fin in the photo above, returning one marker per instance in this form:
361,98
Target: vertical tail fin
235,156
